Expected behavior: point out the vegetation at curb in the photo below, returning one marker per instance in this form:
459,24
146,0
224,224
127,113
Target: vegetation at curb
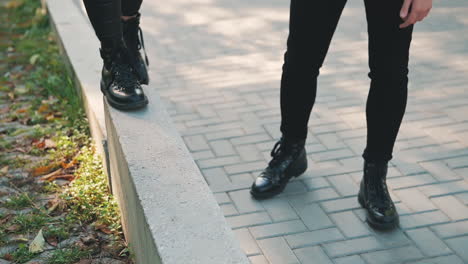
55,206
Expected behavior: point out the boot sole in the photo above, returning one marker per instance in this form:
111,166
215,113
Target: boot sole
377,225
120,106
294,172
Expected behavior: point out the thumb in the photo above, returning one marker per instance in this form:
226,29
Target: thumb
405,8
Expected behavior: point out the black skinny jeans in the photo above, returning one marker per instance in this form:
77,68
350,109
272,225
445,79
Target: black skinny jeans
105,16
312,24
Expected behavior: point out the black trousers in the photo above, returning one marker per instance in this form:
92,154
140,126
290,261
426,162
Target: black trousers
105,16
312,24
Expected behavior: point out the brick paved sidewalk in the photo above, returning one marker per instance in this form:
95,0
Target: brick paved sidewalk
217,65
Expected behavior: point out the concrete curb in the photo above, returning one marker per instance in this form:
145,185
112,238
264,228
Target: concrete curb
168,211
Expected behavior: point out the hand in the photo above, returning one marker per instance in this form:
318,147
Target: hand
419,10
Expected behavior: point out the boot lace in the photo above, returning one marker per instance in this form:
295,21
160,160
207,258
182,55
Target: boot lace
124,77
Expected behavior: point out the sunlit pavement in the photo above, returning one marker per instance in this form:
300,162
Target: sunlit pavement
217,65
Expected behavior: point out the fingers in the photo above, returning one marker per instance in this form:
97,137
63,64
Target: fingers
419,10
405,8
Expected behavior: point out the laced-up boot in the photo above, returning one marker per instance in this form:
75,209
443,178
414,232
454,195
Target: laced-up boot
375,198
133,37
119,82
288,160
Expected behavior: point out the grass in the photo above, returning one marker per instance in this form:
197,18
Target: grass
65,256
22,255
18,202
31,222
54,111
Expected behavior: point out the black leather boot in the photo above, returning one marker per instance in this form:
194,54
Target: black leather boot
289,160
374,197
133,37
119,82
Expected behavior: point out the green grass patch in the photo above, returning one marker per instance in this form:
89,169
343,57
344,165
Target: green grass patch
31,222
22,254
18,202
66,256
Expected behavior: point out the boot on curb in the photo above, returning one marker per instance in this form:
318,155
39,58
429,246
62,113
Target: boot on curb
375,198
289,160
119,82
133,37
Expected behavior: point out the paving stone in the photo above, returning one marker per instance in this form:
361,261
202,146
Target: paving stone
462,197
396,255
247,220
352,246
312,196
333,155
279,210
247,242
216,177
394,238
250,139
415,200
349,224
331,141
316,183
196,143
452,259
356,259
341,205
222,198
460,246
218,162
277,251
452,207
278,229
249,153
222,148
428,242
229,210
312,255
441,189
245,167
204,154
440,171
244,202
410,181
260,259
313,216
451,229
344,185
423,219
314,237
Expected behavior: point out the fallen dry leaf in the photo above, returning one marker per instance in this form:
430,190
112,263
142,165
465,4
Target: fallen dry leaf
13,228
52,174
38,244
49,143
103,228
5,219
42,170
14,4
7,257
22,110
43,108
4,170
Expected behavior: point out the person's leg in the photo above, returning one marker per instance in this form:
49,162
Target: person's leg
105,19
131,7
311,27
119,81
386,103
133,37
